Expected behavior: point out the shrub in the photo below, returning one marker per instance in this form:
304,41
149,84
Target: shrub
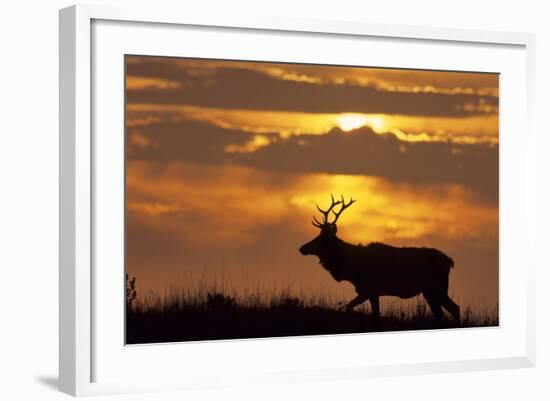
289,302
131,292
219,301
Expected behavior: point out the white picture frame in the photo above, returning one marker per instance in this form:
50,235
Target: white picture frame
80,155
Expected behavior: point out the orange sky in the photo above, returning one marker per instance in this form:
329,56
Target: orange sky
226,161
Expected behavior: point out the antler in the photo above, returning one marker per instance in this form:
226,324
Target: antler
326,213
344,207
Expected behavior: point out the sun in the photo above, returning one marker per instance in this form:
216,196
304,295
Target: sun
348,122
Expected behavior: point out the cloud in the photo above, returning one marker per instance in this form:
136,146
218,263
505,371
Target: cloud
153,208
386,79
474,129
357,152
251,146
224,206
232,86
137,83
364,152
183,140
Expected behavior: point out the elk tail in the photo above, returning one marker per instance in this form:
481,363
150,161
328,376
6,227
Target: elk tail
446,260
451,261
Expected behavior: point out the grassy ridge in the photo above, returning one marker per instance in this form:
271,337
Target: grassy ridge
215,316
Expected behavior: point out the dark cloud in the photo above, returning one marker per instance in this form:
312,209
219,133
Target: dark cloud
364,152
359,152
185,140
236,88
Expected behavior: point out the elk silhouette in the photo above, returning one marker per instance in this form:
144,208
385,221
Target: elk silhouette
378,269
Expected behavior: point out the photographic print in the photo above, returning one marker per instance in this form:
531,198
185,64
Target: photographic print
271,199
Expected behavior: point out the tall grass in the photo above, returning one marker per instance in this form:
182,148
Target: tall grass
206,312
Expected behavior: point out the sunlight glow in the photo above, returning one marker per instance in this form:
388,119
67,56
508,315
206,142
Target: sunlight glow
348,122
258,141
472,130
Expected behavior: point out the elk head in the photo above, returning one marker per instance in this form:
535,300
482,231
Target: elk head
327,236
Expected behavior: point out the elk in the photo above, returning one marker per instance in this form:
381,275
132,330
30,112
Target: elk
378,269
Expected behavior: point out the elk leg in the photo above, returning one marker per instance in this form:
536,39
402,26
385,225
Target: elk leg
375,305
452,307
359,299
435,305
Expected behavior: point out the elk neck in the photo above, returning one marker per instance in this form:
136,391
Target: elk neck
333,258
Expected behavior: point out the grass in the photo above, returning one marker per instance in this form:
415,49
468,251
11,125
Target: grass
204,314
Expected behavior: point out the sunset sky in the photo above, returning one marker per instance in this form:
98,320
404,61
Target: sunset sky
225,161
